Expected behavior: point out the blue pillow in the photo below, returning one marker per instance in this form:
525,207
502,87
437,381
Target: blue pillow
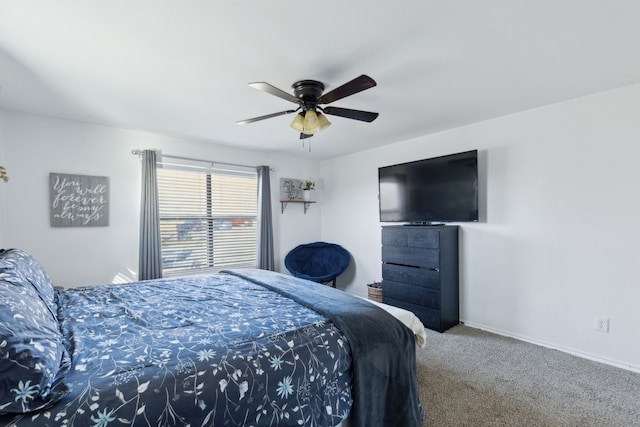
33,359
24,265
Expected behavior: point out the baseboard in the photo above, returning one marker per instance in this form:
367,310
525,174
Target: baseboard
571,351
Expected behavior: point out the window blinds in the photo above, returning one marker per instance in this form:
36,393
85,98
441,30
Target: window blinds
208,217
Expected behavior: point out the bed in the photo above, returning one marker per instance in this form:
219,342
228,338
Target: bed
243,347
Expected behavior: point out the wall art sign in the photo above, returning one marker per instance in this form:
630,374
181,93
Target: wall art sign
290,189
78,200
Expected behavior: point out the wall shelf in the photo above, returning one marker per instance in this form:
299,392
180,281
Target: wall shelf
283,204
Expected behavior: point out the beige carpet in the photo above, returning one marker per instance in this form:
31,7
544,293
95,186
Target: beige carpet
468,377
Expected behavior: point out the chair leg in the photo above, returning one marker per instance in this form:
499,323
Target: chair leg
333,282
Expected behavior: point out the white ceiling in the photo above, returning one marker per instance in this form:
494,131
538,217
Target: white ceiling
182,67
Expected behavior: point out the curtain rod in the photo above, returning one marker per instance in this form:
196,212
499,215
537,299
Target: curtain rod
212,162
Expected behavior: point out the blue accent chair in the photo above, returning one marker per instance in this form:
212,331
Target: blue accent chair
319,262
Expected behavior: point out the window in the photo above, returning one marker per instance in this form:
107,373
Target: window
208,217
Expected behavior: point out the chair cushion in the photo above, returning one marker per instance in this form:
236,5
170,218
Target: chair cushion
319,261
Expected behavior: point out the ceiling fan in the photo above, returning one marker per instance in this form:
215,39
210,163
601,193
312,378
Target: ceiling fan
308,94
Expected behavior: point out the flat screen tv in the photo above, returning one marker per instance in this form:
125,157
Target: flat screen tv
440,189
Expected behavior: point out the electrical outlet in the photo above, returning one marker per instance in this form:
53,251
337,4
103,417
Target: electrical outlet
602,324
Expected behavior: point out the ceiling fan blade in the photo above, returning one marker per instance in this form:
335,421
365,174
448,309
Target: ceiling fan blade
305,136
270,89
356,85
268,116
365,116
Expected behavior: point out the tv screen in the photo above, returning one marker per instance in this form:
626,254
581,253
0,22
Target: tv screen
440,189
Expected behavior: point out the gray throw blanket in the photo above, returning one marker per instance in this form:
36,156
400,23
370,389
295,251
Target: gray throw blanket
385,389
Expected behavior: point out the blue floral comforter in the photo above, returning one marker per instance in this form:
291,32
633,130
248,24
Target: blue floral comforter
206,350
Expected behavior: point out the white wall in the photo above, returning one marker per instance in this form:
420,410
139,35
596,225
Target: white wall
559,243
32,146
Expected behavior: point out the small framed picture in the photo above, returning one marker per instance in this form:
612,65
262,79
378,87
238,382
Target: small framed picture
290,189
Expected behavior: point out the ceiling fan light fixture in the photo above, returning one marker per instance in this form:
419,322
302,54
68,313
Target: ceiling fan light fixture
323,122
310,122
298,122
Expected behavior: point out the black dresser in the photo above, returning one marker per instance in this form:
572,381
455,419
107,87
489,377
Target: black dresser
420,272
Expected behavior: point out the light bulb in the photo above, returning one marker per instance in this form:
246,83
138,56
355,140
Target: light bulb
310,126
298,122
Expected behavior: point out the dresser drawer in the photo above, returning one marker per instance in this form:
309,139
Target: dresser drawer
415,237
413,294
417,257
429,317
423,277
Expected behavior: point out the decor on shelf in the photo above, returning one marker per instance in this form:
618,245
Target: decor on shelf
296,191
307,185
3,174
290,189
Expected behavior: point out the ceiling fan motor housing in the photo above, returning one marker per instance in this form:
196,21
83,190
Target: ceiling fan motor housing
308,91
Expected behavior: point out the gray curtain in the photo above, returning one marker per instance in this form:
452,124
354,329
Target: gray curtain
150,254
265,221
